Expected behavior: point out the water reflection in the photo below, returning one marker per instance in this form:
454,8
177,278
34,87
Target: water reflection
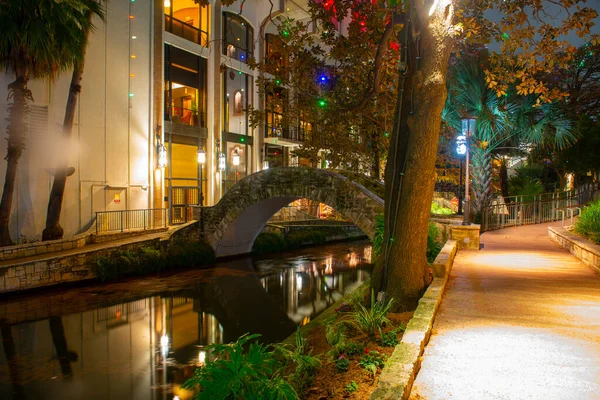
63,346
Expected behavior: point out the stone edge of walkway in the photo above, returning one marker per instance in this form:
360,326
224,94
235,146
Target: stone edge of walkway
398,375
586,251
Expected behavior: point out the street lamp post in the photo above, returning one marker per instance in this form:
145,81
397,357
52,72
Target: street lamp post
468,129
201,161
236,161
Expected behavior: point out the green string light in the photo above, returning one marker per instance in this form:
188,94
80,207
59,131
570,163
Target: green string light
322,103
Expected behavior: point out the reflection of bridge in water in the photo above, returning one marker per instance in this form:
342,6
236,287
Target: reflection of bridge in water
77,350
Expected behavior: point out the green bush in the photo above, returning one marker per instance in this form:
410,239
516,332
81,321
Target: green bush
588,223
378,237
298,238
267,242
433,246
150,260
244,369
351,387
440,210
189,254
342,364
372,361
369,320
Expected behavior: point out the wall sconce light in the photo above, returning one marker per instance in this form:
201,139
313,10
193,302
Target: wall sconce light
236,157
222,161
162,155
201,156
265,165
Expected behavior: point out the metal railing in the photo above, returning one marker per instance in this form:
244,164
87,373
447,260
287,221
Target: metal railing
291,213
185,116
186,31
125,220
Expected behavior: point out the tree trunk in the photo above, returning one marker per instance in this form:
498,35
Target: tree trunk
410,169
53,230
16,130
504,180
376,160
481,177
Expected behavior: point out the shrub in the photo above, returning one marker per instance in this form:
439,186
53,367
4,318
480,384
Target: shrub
372,361
369,320
342,364
440,210
255,373
115,265
268,242
190,254
433,246
351,387
305,364
378,236
390,339
588,223
149,260
296,239
353,348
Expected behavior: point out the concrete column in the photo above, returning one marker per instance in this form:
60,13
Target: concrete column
156,175
214,105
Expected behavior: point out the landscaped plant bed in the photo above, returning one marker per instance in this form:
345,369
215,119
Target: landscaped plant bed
332,383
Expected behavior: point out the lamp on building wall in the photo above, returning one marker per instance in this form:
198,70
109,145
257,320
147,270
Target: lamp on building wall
201,161
265,165
467,131
162,155
236,161
222,161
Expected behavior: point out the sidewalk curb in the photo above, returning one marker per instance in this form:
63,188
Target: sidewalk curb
398,376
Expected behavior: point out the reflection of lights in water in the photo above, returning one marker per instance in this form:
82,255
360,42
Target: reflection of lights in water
299,282
175,397
281,279
329,281
164,344
353,259
202,357
329,265
305,321
367,254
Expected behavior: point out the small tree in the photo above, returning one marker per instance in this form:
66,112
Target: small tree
53,230
38,39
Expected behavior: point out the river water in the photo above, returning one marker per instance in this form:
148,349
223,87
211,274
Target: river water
141,338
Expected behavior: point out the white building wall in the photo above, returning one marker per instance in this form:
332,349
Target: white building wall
109,147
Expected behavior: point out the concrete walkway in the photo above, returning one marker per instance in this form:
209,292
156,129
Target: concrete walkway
520,319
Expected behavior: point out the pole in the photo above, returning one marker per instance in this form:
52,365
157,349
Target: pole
467,192
201,193
460,196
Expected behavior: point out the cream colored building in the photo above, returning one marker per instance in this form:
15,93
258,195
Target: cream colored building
157,73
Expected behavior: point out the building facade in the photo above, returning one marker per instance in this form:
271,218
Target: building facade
164,80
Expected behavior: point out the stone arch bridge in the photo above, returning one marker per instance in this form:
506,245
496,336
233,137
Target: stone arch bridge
232,225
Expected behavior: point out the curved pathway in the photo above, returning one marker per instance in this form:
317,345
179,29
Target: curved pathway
520,319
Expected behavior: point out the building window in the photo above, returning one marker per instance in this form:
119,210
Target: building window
188,20
238,38
276,60
236,97
185,87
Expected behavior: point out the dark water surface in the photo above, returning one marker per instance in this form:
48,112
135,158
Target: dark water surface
141,338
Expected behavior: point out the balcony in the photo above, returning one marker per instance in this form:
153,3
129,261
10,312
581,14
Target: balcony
183,121
291,135
186,31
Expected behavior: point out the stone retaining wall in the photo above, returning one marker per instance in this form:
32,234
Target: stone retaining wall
80,265
398,375
586,251
38,248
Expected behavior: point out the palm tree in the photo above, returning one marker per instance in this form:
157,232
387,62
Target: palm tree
53,230
469,96
38,39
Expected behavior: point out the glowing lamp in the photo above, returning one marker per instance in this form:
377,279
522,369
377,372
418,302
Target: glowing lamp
222,161
162,156
201,156
236,158
265,165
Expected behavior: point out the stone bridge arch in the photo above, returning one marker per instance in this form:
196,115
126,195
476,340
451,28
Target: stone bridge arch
232,225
